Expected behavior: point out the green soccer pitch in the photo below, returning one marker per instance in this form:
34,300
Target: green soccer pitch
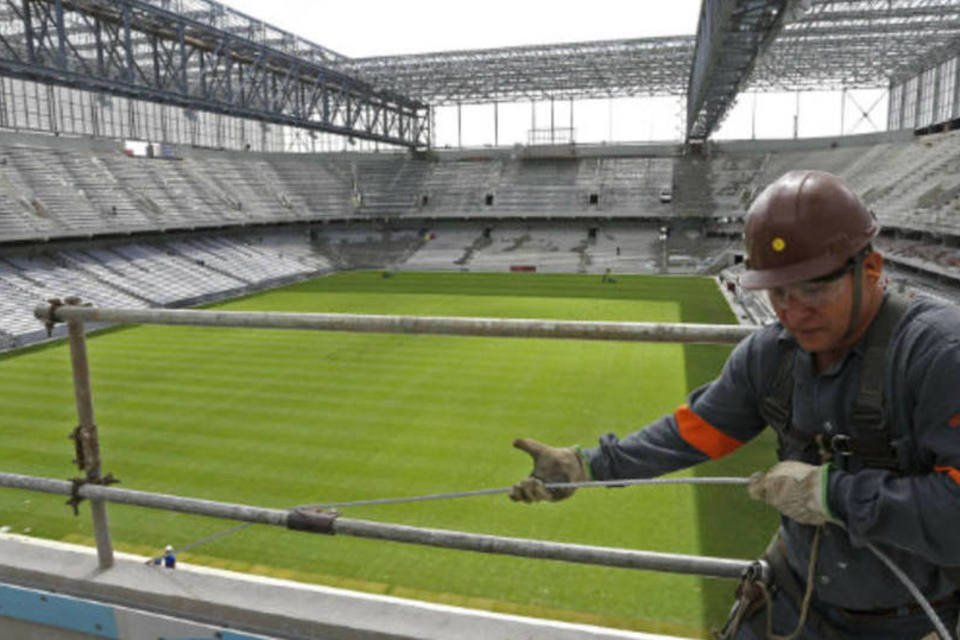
280,418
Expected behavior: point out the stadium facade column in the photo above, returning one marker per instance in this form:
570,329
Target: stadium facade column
955,96
552,123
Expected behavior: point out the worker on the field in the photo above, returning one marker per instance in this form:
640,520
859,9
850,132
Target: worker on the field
863,390
169,558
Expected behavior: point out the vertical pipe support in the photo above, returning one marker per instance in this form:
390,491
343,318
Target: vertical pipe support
28,33
88,442
61,36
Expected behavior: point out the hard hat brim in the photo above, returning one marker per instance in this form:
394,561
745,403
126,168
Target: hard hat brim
792,274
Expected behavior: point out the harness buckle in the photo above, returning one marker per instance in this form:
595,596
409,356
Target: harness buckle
841,445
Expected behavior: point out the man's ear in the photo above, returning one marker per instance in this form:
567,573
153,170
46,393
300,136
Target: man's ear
873,267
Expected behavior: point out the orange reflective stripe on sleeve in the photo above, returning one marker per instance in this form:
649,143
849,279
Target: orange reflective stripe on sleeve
953,472
703,436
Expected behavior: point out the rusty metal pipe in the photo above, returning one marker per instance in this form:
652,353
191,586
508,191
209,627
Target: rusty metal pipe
488,327
577,553
87,440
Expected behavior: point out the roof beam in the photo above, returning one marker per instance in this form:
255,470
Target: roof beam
138,49
650,66
730,36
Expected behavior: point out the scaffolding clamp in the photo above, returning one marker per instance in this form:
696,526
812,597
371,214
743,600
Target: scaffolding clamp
77,483
50,314
313,520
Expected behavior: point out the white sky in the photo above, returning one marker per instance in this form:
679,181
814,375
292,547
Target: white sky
363,28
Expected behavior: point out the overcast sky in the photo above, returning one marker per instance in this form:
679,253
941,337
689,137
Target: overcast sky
380,27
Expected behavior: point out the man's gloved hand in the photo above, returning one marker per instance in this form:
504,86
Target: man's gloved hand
550,464
795,489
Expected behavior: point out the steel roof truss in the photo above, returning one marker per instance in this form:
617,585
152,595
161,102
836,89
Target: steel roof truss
137,49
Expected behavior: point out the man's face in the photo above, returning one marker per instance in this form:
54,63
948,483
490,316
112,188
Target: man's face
816,313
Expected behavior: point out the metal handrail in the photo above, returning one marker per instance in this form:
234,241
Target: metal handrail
91,486
486,327
331,523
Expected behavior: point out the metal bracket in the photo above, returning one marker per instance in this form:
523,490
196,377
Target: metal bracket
77,483
77,436
313,520
759,571
51,315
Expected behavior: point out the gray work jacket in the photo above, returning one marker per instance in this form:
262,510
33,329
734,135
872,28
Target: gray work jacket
914,517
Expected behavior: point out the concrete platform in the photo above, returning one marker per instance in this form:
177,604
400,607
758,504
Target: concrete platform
55,590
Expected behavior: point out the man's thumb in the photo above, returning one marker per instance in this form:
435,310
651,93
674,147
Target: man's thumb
531,446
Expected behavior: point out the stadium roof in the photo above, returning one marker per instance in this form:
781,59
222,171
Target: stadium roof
199,55
834,44
202,55
759,44
823,44
612,68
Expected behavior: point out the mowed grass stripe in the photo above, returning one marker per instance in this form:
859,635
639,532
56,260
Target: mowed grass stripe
283,418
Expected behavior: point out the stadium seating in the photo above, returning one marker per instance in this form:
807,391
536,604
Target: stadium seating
174,271
488,211
52,188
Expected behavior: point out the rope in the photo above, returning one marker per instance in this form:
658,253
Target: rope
728,481
905,580
202,541
807,596
928,609
550,485
915,592
480,492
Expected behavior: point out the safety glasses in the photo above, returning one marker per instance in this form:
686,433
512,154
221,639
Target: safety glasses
812,293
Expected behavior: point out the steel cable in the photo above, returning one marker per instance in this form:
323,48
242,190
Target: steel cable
549,485
472,494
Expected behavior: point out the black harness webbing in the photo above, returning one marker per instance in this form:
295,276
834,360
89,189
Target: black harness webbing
871,440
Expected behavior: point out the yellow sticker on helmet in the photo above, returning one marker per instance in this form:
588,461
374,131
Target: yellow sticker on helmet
778,244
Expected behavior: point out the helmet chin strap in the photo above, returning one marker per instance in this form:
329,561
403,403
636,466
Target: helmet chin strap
857,295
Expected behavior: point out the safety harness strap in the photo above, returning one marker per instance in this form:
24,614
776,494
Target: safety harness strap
776,408
954,574
872,440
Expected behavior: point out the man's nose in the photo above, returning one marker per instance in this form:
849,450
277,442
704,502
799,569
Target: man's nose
791,310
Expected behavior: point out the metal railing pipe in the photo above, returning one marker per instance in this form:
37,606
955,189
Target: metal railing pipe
329,523
86,438
487,327
544,550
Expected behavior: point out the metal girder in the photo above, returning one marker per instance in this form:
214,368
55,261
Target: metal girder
201,55
218,16
730,36
145,50
615,68
761,44
833,44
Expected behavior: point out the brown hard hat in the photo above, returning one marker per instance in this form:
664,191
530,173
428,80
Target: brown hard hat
804,225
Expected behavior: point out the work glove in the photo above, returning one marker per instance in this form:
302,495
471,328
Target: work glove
795,489
550,464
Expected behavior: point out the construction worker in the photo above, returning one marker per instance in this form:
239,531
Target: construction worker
169,558
863,389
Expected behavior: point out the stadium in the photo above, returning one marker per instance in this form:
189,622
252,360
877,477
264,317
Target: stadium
254,279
